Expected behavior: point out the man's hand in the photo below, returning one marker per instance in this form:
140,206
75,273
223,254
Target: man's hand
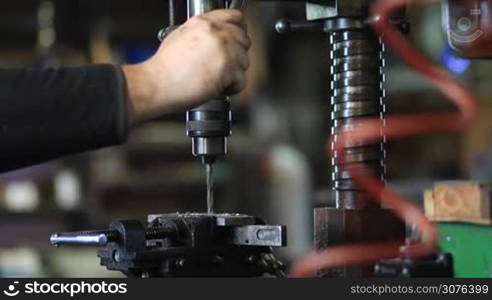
205,57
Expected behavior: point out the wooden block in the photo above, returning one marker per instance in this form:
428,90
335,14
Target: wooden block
459,201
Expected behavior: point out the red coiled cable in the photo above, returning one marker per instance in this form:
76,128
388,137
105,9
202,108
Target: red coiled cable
369,130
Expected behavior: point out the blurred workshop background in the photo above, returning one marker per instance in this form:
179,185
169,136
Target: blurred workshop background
278,167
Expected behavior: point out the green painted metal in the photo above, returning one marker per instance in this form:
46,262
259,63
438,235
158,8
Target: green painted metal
471,247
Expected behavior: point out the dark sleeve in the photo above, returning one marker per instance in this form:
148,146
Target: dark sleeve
49,113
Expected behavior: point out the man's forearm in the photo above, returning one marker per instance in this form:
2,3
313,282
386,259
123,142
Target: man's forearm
141,94
49,113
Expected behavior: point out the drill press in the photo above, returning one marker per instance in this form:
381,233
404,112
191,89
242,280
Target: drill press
190,244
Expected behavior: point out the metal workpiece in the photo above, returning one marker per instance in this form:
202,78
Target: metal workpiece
221,220
357,92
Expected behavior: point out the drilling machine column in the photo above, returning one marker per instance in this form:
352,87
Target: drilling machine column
357,92
357,85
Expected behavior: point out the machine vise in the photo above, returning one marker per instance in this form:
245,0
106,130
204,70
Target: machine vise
186,245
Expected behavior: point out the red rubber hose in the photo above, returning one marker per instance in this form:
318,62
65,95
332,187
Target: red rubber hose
373,130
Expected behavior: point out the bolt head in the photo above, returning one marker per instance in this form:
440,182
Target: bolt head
406,272
116,256
283,26
251,259
181,262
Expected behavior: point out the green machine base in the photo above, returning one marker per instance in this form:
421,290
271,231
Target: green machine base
471,247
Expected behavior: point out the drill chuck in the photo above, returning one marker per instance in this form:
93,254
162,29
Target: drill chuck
209,126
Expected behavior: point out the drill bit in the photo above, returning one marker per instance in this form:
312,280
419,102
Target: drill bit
210,188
